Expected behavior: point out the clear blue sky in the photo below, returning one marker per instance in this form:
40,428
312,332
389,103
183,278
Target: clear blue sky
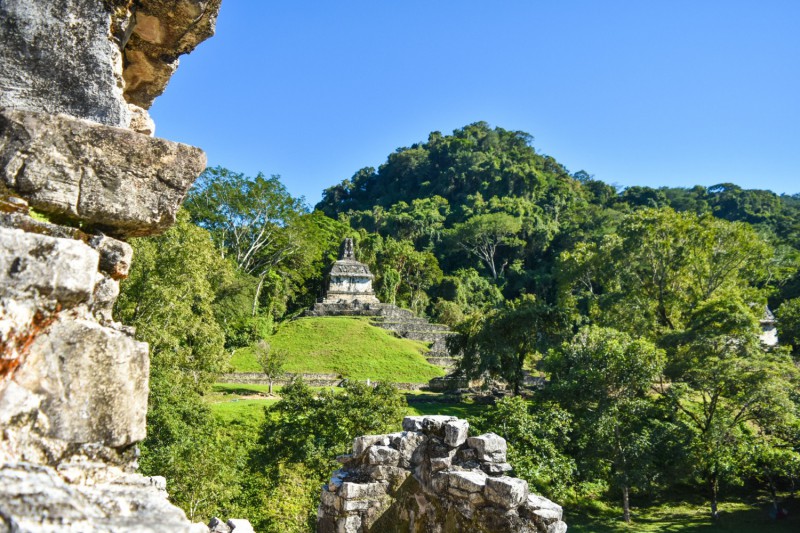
635,92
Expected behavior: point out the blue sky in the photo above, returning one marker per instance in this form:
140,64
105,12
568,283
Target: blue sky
652,93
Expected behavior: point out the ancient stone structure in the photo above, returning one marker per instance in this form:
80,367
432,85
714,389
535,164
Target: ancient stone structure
349,282
76,78
350,293
432,478
769,330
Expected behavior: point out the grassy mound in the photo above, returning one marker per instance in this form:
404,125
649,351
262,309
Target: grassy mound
350,347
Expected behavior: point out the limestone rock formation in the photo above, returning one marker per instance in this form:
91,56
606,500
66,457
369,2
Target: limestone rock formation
115,180
96,60
57,58
73,382
432,478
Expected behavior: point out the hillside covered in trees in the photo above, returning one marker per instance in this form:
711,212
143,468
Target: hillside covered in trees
640,307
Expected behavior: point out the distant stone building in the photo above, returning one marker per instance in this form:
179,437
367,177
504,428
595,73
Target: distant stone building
350,293
769,332
349,282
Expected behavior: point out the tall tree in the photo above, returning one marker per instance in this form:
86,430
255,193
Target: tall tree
169,298
726,388
252,221
483,235
603,377
660,266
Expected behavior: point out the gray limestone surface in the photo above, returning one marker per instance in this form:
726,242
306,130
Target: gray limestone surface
435,480
73,382
57,58
124,183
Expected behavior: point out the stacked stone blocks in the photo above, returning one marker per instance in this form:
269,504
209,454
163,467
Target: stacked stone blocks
432,477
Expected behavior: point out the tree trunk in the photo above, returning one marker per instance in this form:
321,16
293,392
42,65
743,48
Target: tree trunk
626,504
773,492
714,486
258,293
270,386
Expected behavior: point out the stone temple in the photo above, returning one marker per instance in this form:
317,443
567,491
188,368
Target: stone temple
349,282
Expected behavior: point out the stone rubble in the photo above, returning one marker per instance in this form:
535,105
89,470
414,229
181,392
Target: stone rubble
432,478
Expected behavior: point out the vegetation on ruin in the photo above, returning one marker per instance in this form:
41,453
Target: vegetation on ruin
640,306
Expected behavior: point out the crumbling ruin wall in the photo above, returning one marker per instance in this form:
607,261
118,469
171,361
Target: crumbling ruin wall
76,145
432,478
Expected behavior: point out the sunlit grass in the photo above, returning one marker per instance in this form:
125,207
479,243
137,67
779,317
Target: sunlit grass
675,515
344,346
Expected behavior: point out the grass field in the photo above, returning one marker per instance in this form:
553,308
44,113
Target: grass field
349,347
692,516
245,412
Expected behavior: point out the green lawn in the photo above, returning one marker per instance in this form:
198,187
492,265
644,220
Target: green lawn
461,410
245,412
350,347
687,517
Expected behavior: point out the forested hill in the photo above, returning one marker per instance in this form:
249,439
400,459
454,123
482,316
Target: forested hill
474,160
480,162
487,209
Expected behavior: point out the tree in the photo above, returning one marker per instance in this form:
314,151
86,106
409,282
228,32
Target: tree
305,431
502,342
271,361
603,376
536,434
251,221
482,235
660,266
789,324
169,298
727,389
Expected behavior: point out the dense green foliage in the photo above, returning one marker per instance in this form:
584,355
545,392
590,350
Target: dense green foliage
640,307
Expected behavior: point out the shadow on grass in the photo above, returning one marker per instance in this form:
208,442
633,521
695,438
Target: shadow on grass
239,391
689,517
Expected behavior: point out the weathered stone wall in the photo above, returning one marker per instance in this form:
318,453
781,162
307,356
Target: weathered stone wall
432,478
75,144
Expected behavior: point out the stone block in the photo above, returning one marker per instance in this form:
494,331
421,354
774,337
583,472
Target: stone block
496,469
347,506
467,481
434,424
93,380
350,524
408,445
115,256
57,56
164,29
536,502
413,423
489,447
440,463
64,270
466,454
118,181
393,474
382,455
360,444
507,492
557,527
455,432
239,525
352,491
215,525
